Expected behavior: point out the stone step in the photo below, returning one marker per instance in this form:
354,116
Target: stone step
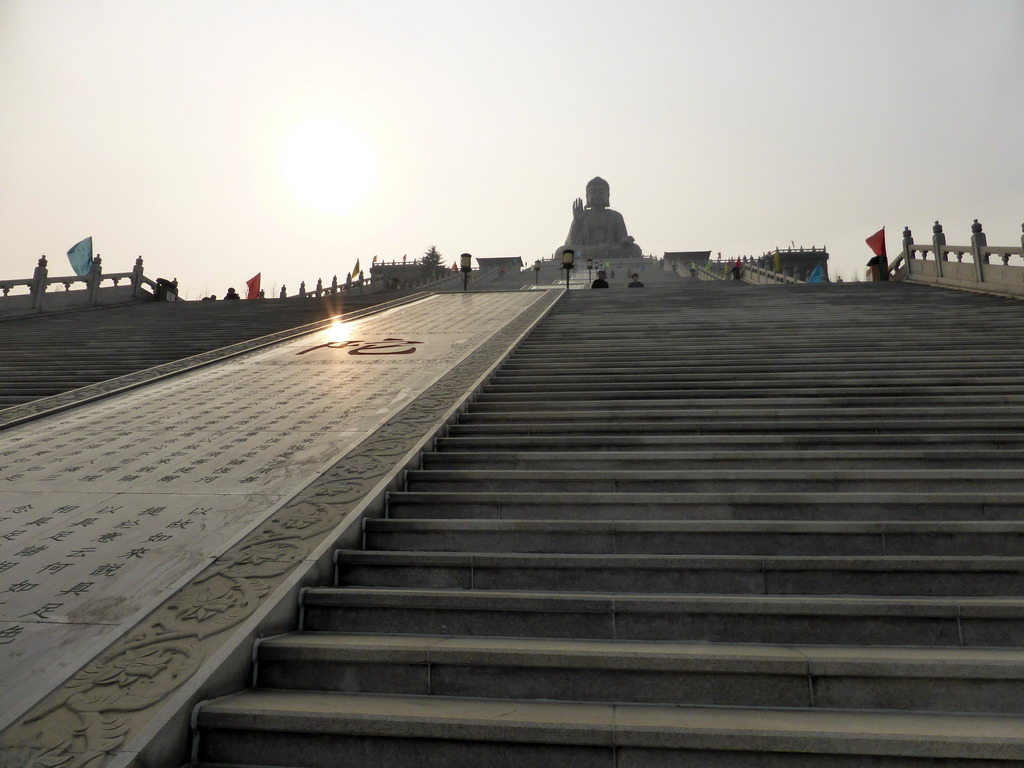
941,382
640,397
750,375
644,412
904,442
550,340
849,506
690,574
619,461
772,480
320,729
727,537
525,425
745,360
970,622
925,679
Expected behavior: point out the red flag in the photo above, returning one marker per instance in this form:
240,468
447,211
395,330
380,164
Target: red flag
877,242
455,266
253,284
374,260
403,257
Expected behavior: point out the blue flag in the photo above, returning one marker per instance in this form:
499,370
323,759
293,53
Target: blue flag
80,256
817,276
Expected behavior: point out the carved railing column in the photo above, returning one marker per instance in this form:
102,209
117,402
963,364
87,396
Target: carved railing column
284,293
978,243
302,289
319,287
938,241
94,277
137,278
39,283
908,246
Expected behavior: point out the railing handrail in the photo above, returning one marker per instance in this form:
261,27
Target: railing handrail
931,263
40,286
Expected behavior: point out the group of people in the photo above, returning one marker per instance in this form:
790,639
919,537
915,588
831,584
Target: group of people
227,296
602,280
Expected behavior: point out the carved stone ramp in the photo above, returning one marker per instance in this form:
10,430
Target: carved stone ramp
148,536
732,526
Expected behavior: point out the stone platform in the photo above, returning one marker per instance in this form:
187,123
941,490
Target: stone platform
153,523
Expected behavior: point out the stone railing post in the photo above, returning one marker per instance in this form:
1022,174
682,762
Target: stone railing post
302,289
938,241
39,283
908,243
319,287
334,285
95,276
137,278
348,284
284,293
978,243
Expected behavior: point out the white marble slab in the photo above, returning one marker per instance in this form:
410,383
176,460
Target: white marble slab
107,508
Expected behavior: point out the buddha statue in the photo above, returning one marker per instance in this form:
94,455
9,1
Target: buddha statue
596,229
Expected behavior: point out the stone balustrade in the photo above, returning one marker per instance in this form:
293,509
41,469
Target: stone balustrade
752,270
378,284
969,267
42,293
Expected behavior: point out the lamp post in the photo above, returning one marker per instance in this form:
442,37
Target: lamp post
590,267
467,267
567,257
536,272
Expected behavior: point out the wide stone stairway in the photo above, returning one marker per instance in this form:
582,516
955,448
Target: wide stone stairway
702,524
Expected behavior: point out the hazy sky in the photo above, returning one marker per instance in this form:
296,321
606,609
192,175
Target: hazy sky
198,133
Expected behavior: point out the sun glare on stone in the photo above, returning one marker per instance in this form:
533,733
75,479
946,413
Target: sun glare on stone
328,165
337,333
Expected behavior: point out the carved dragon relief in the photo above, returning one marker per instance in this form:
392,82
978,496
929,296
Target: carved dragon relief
86,722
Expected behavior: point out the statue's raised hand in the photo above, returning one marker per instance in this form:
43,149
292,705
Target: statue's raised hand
578,209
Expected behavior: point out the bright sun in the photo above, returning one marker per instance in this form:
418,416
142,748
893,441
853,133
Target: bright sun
328,165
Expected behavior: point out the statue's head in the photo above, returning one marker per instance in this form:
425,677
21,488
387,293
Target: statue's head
597,193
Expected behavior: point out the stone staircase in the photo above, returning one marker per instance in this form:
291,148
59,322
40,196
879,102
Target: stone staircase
707,524
49,354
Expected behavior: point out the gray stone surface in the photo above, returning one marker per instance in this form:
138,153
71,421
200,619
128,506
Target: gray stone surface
710,507
109,508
